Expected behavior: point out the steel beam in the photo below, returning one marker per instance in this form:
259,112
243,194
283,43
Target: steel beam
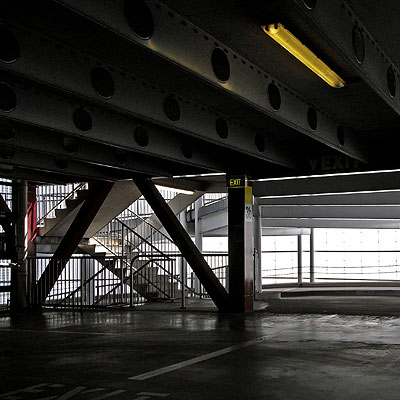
132,96
61,145
337,22
342,183
57,113
213,222
183,241
178,40
335,212
329,223
42,162
95,198
344,199
35,176
285,231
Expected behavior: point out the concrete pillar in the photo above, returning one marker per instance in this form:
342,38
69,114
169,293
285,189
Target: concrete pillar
240,238
257,233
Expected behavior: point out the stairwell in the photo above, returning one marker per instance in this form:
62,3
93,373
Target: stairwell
146,269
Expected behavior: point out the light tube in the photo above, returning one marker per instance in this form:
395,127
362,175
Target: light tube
175,190
293,45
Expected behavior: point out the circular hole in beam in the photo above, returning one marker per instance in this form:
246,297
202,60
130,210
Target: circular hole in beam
141,136
70,144
340,136
82,119
61,163
103,82
391,81
358,44
8,98
260,142
121,156
9,46
220,65
274,97
221,127
139,18
310,4
172,109
7,152
312,118
187,150
7,131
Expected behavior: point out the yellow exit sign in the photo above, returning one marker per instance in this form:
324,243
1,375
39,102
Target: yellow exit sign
235,182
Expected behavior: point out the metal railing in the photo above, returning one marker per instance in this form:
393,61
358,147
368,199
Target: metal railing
5,286
152,255
53,197
332,266
88,282
85,282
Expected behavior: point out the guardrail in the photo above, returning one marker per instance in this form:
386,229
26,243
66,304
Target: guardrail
5,286
90,282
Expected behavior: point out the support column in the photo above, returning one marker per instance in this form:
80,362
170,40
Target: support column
299,260
198,236
240,238
183,241
257,233
95,198
19,272
312,253
183,263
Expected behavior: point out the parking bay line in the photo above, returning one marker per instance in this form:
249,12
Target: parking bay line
196,360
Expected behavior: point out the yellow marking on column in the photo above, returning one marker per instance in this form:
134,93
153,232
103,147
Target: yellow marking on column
248,195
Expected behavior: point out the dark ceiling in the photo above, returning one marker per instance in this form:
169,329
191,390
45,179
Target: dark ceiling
225,127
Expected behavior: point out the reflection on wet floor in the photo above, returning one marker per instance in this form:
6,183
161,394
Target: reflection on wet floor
201,355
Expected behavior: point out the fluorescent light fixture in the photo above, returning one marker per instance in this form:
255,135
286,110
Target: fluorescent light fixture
303,54
176,190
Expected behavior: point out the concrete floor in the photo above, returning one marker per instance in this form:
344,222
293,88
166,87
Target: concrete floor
91,355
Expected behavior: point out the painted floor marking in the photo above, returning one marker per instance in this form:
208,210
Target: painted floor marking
196,360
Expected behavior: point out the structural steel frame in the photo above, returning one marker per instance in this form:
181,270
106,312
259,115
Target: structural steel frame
132,97
178,40
336,20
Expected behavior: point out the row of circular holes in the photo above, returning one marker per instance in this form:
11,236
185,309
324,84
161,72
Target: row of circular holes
69,143
103,82
140,20
359,49
82,120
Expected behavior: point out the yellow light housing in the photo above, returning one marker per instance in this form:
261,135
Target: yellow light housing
303,54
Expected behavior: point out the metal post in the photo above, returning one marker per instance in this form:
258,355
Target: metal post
198,236
19,281
183,264
299,260
257,234
312,253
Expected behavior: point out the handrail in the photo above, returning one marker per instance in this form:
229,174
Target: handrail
150,225
142,238
67,196
153,257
